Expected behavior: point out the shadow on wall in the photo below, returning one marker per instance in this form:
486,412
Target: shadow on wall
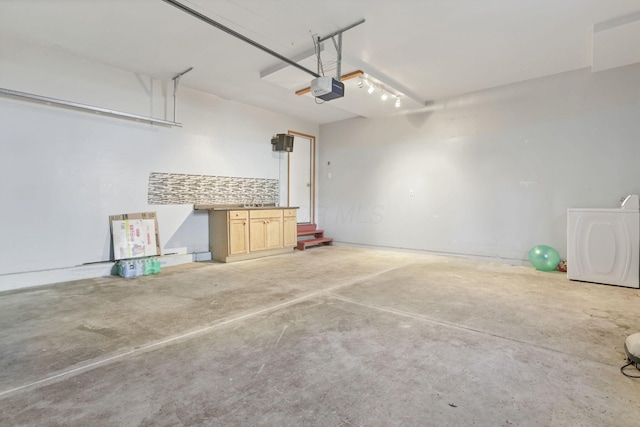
192,234
418,119
351,214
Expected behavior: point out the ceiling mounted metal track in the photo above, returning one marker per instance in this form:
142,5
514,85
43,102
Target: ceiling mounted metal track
86,107
237,35
337,45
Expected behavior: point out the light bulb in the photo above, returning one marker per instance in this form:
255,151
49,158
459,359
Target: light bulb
371,89
384,96
397,102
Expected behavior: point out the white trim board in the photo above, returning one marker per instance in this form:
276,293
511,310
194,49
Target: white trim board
11,282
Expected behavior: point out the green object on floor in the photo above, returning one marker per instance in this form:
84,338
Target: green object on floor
544,258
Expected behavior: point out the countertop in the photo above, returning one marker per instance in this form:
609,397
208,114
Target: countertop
239,207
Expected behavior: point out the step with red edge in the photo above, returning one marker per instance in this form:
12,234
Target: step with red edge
302,244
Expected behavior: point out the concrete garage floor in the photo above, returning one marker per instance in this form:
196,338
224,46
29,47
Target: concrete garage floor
333,336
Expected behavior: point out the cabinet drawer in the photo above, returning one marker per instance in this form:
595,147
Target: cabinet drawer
266,213
238,214
290,212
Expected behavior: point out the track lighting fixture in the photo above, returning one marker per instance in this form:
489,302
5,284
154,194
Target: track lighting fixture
374,87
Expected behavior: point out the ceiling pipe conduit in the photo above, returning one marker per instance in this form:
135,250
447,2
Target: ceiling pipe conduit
85,107
237,35
340,31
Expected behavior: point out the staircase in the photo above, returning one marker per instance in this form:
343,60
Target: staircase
309,235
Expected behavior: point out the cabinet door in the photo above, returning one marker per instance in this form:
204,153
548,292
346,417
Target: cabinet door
238,236
290,231
274,233
258,234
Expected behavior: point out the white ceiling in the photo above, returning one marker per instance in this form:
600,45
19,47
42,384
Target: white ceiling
432,49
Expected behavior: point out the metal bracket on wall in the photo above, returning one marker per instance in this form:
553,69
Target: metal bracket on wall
85,107
176,80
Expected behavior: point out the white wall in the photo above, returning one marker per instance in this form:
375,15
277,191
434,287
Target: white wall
493,172
63,172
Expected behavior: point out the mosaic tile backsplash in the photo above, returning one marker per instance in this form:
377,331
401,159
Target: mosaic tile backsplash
180,189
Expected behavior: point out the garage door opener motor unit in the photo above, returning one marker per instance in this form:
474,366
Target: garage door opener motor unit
327,88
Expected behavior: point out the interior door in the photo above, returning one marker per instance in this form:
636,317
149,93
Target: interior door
301,176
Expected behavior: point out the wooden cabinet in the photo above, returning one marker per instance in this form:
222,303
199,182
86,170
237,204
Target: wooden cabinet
228,233
265,229
258,233
289,227
251,233
238,233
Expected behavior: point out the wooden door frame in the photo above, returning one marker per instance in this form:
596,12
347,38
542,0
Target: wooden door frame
313,173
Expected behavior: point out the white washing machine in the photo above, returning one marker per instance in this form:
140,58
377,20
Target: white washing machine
603,245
